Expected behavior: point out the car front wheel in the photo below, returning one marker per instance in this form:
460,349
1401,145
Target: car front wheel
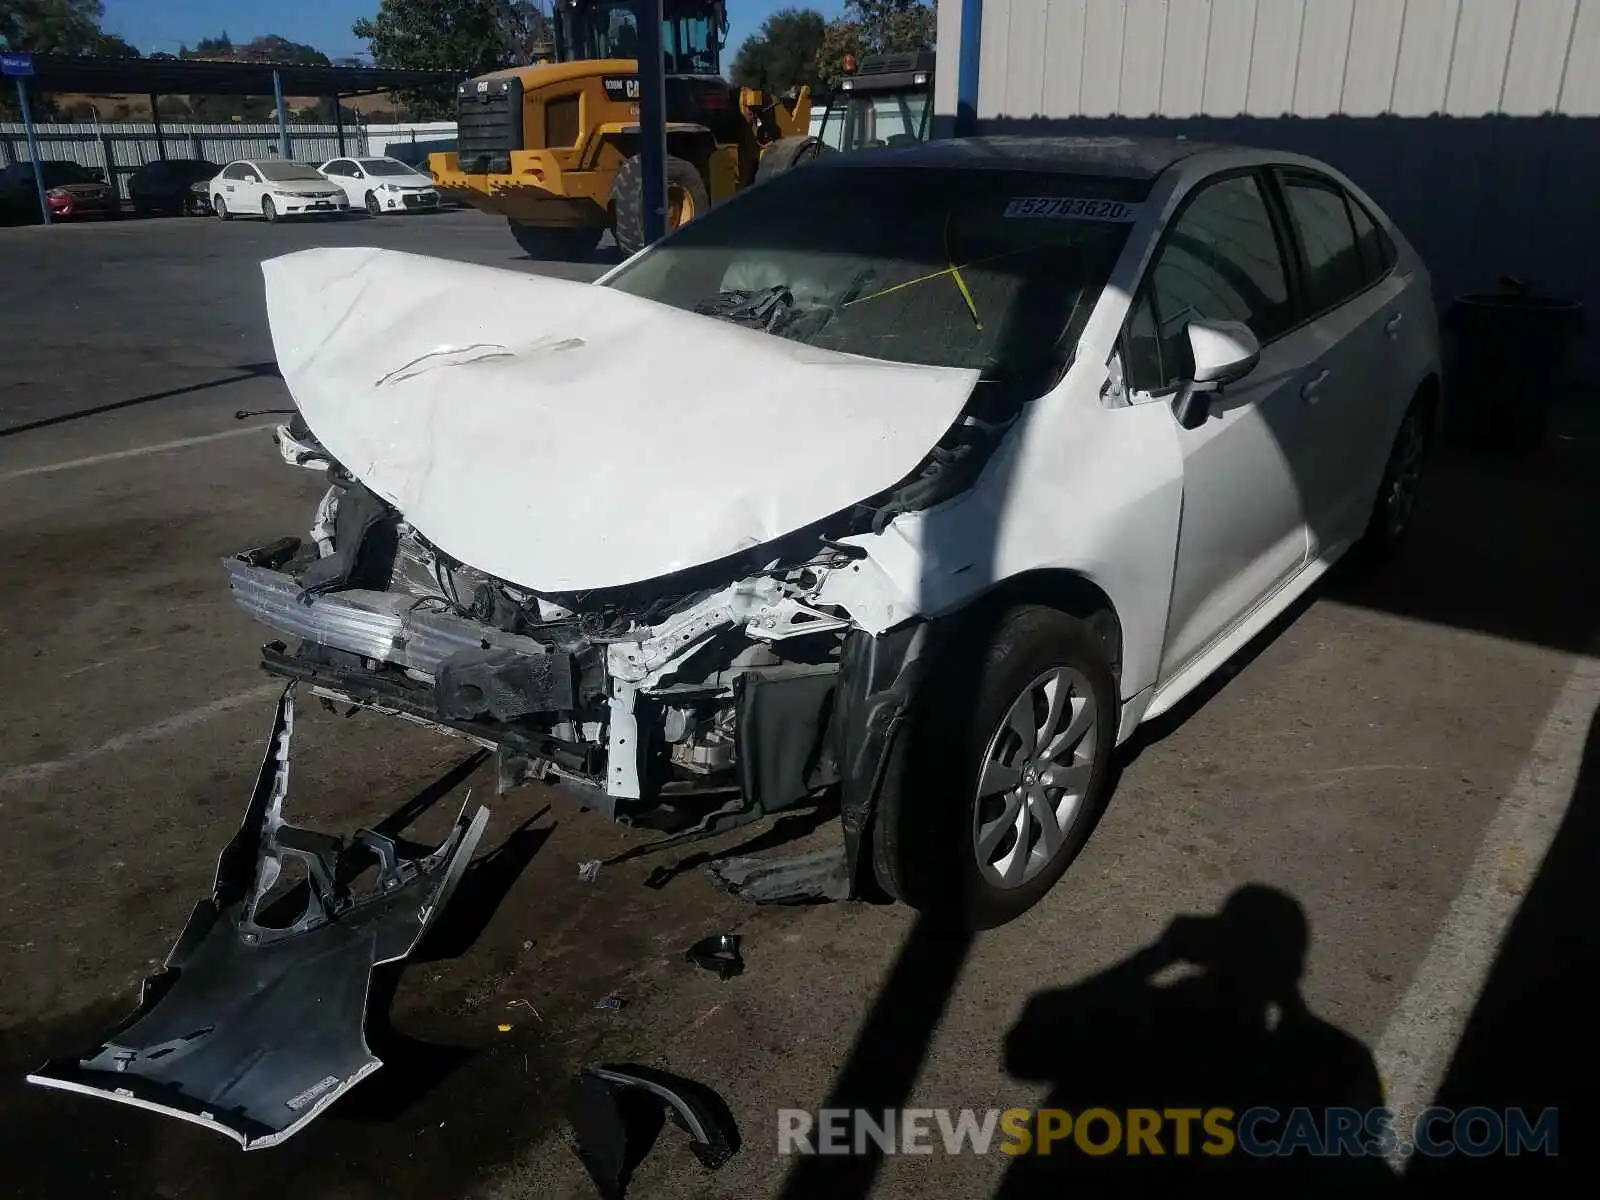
1006,765
373,206
269,210
220,207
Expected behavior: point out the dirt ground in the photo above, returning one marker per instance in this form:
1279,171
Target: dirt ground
1357,760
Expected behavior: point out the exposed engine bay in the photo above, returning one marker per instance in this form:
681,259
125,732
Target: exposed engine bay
685,704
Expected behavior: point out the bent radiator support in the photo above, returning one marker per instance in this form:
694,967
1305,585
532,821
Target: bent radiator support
256,1023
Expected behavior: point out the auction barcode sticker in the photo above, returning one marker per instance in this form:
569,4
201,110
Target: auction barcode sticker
1072,208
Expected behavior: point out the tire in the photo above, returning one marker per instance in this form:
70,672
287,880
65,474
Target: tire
372,204
788,153
940,846
269,210
219,207
552,243
627,200
142,210
1394,507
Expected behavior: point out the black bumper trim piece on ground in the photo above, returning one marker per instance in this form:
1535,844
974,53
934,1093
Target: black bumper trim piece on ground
257,1022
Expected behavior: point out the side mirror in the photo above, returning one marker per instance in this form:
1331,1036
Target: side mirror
1223,351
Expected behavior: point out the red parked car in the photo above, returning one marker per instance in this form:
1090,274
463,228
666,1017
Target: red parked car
72,191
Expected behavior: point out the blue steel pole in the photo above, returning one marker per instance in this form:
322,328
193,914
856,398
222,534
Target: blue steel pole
283,114
33,147
967,68
652,119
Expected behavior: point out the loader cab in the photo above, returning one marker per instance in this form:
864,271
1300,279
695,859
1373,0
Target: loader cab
692,33
883,100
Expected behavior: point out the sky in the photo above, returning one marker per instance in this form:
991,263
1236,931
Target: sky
154,25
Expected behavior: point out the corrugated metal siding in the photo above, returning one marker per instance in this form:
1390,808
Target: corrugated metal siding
1308,58
1473,122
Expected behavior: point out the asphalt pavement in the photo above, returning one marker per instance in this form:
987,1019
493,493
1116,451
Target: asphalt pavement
1401,762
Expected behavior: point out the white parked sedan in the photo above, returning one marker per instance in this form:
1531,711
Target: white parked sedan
382,184
1099,409
912,481
273,188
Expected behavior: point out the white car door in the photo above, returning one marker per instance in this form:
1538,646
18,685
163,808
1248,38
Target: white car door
357,185
1356,389
250,190
1242,531
342,171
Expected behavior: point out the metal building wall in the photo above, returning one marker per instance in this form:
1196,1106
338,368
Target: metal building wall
1274,58
1475,123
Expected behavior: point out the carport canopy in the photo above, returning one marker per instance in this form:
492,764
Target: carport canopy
186,76
156,77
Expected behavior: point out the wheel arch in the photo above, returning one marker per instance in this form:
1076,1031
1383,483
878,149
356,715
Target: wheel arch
1063,588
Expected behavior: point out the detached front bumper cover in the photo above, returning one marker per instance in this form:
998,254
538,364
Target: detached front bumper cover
257,1022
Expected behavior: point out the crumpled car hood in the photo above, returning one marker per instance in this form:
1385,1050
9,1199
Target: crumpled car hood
563,436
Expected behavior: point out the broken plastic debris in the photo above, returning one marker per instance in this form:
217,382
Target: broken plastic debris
589,871
611,1135
255,1026
609,1004
718,954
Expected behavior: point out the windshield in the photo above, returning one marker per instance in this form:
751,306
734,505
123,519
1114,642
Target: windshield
385,166
289,172
996,270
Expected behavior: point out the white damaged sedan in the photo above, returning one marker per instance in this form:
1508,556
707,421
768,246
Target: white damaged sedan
929,476
912,482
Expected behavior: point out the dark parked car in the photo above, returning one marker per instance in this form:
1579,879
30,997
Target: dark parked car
168,187
71,190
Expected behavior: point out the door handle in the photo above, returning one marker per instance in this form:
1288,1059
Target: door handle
1392,325
1312,388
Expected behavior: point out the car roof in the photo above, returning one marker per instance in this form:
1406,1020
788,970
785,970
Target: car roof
1119,157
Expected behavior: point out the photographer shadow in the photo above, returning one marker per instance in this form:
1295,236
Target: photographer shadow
1232,1032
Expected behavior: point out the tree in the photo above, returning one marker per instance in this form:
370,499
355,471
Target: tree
782,55
272,48
210,47
874,27
469,36
109,45
525,29
50,26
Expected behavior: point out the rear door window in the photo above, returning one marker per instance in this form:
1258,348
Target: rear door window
1334,266
1372,244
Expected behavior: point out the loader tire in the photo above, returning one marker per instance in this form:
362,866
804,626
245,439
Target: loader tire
554,244
687,198
787,153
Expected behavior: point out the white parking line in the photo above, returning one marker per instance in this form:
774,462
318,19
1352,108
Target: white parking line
1416,1048
135,452
36,772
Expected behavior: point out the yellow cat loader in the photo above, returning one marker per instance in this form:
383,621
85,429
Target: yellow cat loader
554,148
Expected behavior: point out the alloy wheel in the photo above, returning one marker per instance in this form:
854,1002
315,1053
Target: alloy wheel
1405,474
1035,775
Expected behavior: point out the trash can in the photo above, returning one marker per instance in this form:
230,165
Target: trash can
1509,365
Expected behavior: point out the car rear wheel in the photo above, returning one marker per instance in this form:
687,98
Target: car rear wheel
373,206
220,207
1006,764
269,210
1396,503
